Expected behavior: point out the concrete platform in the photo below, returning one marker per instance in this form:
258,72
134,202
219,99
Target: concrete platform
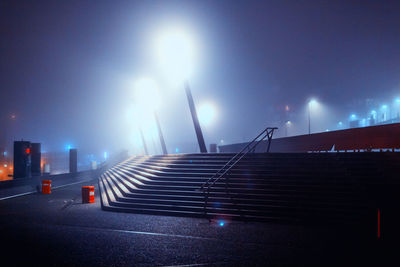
58,230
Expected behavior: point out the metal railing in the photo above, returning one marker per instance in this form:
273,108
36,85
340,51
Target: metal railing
221,173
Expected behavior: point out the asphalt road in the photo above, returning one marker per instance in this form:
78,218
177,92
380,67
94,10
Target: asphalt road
58,230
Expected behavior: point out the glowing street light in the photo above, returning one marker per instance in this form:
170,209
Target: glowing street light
287,124
384,109
176,55
147,96
373,117
207,114
312,104
148,99
397,107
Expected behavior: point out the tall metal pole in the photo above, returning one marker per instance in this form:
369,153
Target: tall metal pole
144,141
309,119
195,119
286,129
160,134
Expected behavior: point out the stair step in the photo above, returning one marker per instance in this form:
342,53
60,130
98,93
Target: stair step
281,187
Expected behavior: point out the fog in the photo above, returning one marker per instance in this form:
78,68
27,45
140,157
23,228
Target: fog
68,68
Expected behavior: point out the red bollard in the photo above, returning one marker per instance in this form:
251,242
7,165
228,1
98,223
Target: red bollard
46,186
87,194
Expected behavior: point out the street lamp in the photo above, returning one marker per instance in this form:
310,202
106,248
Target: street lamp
207,114
176,54
397,107
148,99
353,117
287,124
311,104
384,112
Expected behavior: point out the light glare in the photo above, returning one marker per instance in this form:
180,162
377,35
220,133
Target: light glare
176,54
147,97
313,103
206,114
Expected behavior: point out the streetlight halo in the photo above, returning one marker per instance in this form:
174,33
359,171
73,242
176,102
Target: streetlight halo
147,95
176,53
207,113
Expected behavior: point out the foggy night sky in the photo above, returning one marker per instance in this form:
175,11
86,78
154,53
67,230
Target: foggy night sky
67,67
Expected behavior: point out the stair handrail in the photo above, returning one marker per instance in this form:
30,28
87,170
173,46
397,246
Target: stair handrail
250,147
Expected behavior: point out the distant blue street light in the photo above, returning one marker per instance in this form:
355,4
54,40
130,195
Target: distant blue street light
384,109
353,117
312,104
397,107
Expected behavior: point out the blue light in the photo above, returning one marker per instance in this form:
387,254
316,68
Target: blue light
221,223
373,114
105,155
68,147
384,106
5,153
353,117
177,150
397,100
340,123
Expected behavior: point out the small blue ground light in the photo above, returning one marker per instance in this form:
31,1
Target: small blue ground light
221,223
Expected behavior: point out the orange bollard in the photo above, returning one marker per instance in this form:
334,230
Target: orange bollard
46,186
87,194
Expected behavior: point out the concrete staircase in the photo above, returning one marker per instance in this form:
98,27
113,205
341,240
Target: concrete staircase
333,188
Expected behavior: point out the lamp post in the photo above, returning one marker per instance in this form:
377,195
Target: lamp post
197,128
384,109
288,123
160,134
176,55
397,105
311,103
143,141
148,100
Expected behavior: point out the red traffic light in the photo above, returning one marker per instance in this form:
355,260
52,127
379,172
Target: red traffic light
28,151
